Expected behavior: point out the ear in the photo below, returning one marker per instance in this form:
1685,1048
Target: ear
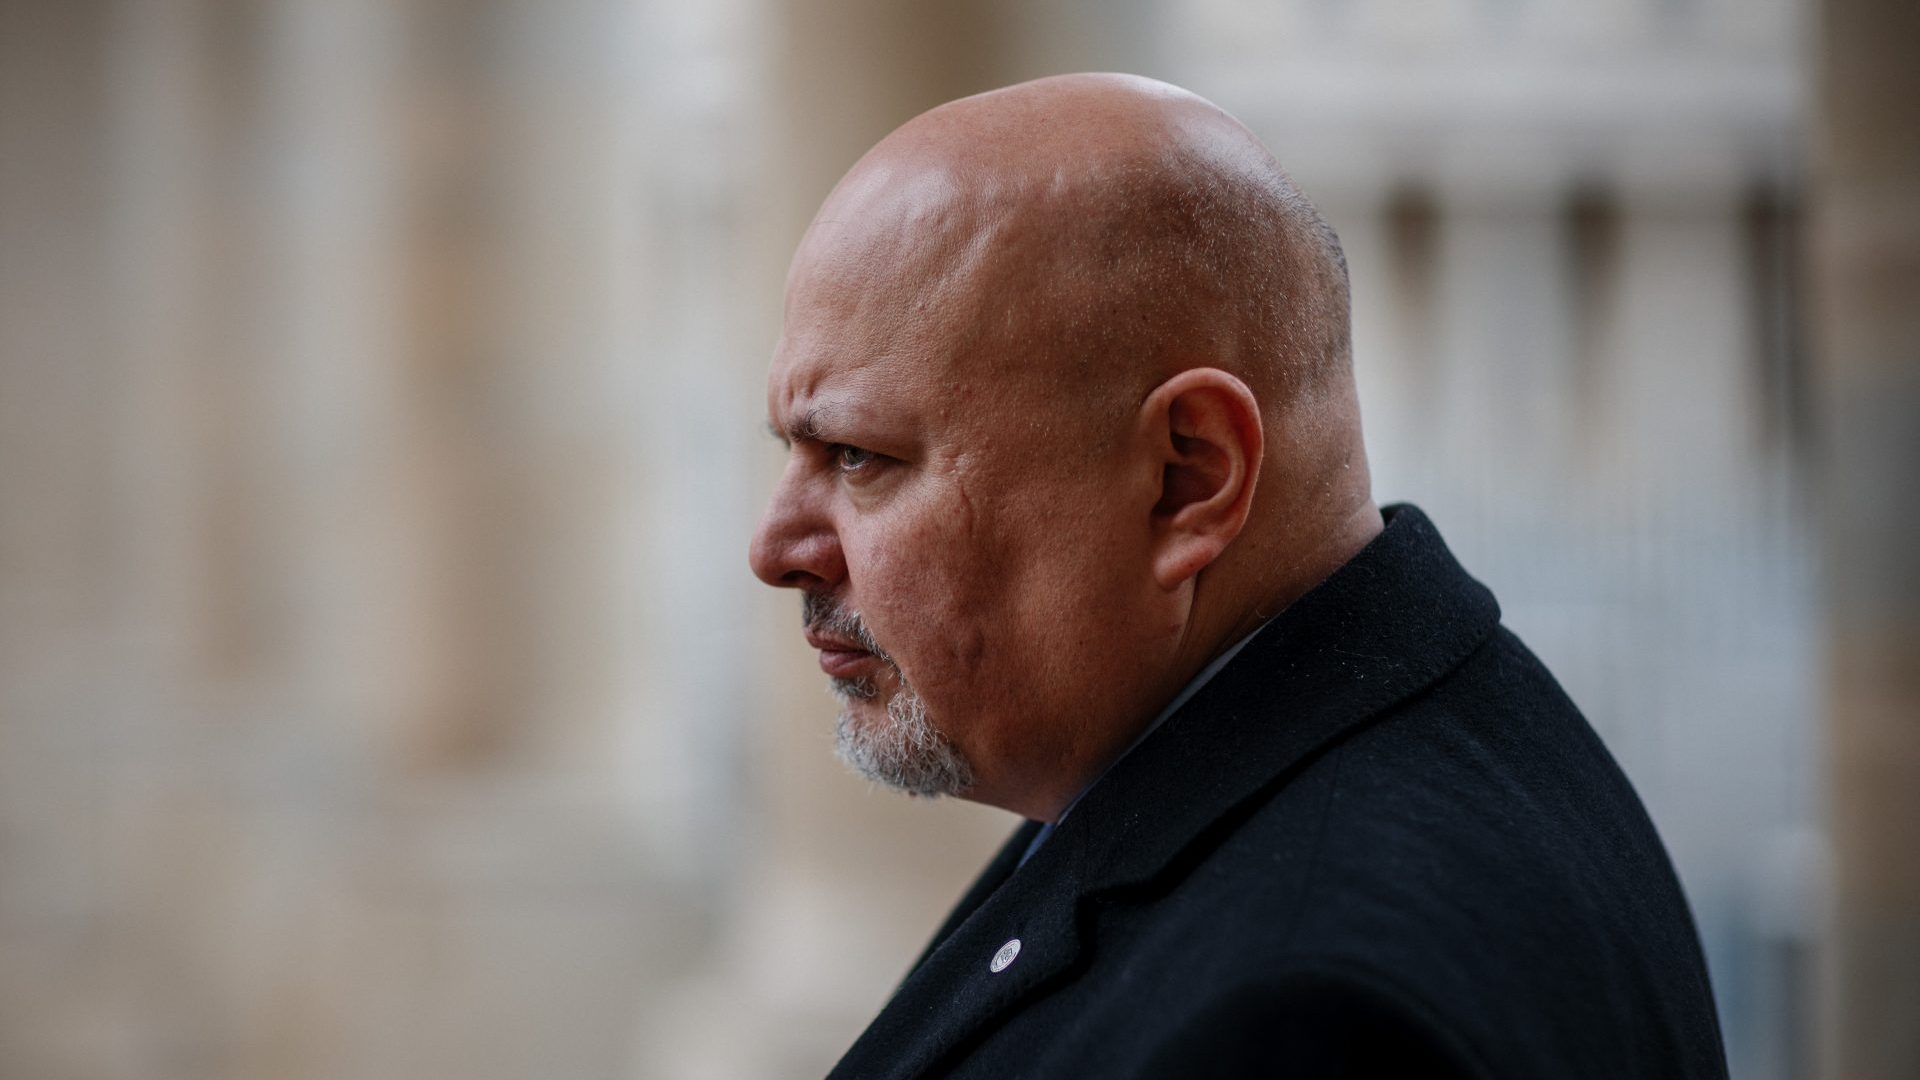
1204,427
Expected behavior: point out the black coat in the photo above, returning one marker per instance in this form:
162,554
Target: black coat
1381,841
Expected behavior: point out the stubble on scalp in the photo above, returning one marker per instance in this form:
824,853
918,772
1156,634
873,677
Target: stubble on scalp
902,749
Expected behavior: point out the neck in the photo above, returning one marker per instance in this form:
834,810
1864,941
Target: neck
1310,567
1213,628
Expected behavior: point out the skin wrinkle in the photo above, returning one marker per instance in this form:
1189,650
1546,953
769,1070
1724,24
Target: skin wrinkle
993,303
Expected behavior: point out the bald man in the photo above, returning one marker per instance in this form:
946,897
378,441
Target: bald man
1079,512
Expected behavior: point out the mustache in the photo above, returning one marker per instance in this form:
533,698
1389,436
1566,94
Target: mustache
822,613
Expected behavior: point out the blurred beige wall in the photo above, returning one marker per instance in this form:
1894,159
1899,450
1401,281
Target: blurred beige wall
363,698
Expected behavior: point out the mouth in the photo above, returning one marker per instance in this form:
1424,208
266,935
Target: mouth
843,659
848,664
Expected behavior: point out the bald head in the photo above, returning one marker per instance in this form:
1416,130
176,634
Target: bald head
1042,347
1100,231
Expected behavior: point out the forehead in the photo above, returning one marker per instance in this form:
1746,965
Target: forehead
834,381
886,306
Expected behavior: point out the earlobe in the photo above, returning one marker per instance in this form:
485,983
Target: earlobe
1206,426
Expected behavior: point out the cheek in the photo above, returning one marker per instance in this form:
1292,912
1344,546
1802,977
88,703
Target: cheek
1079,586
981,599
925,585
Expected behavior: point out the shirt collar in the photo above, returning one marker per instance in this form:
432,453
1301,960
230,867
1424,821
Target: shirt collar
1193,687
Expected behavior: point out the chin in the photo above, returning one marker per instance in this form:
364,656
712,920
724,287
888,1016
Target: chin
893,742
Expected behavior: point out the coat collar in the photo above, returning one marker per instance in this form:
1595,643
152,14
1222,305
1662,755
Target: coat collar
1387,624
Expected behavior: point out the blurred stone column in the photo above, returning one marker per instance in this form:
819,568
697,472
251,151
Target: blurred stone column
841,884
1866,260
58,573
868,873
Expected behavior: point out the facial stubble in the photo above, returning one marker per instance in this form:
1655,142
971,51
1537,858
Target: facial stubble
901,748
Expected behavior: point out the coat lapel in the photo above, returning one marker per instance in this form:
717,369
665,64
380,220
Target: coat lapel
1386,625
955,990
998,870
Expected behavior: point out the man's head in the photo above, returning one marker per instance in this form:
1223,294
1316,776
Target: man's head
1042,348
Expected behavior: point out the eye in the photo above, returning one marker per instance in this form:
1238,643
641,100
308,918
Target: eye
850,459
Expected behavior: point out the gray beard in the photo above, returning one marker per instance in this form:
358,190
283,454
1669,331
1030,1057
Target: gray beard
901,749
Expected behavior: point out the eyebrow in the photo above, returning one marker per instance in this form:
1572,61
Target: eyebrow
807,430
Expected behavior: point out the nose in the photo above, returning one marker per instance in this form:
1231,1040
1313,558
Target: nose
795,546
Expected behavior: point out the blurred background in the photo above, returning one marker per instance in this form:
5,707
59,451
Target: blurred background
383,691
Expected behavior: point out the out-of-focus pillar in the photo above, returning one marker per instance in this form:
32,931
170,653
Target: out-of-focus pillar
1866,245
850,880
852,70
840,883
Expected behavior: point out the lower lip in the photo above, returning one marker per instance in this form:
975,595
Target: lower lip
847,663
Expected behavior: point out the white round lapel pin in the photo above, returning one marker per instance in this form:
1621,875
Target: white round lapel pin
1005,956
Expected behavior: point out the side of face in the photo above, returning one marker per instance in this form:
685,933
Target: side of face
990,538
